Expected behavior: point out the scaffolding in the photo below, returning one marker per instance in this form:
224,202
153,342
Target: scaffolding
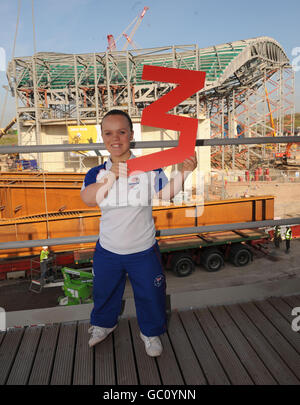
52,88
247,109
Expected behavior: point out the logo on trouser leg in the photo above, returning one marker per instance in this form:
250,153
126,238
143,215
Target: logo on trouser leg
2,319
159,280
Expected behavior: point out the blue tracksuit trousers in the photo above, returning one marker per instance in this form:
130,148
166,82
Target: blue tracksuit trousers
146,275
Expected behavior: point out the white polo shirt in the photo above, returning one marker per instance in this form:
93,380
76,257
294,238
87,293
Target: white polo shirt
126,224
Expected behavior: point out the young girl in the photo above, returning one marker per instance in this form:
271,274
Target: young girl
127,243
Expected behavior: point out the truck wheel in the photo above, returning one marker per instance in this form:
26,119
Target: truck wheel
182,264
240,255
212,259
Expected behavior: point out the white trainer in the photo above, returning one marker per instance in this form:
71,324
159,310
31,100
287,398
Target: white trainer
99,334
153,345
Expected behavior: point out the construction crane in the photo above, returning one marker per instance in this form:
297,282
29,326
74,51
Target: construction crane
111,43
137,21
130,40
283,155
271,116
4,130
270,146
286,154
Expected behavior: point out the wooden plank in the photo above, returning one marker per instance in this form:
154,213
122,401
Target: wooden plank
189,365
242,234
84,357
227,356
282,307
293,301
276,366
43,363
8,350
2,334
212,369
20,371
146,365
279,343
63,363
206,239
105,362
296,297
125,364
280,323
174,244
168,366
249,358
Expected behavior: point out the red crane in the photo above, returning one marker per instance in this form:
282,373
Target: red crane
137,21
111,43
130,40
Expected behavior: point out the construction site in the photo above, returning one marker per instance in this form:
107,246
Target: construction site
225,269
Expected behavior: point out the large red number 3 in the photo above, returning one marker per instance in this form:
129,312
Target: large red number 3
155,115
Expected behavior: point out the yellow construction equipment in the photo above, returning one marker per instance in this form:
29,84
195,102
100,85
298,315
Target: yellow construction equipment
270,146
4,130
270,111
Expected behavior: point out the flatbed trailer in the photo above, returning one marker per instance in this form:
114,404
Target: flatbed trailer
210,249
181,253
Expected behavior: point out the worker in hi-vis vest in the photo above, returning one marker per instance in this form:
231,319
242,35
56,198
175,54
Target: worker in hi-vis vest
277,236
43,260
288,237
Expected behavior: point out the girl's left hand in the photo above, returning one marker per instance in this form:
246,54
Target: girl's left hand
189,164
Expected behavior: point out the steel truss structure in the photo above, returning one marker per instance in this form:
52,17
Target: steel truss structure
80,89
266,109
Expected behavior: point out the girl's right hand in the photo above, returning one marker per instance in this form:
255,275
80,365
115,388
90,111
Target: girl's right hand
119,169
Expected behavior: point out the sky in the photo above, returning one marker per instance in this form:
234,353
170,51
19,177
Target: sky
81,26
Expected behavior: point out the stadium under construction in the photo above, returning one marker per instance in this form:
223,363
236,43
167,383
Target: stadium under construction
249,92
216,322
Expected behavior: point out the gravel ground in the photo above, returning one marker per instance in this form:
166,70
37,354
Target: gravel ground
15,296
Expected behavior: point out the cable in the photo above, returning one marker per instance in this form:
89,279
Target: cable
3,111
43,172
33,27
17,26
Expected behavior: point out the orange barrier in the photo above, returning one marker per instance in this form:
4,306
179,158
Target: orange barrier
86,222
26,193
19,201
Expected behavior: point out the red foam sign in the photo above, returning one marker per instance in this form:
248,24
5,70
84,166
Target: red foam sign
155,115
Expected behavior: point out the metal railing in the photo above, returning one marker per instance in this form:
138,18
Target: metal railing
144,145
147,144
163,232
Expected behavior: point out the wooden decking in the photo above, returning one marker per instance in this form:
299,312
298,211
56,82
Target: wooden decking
248,344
